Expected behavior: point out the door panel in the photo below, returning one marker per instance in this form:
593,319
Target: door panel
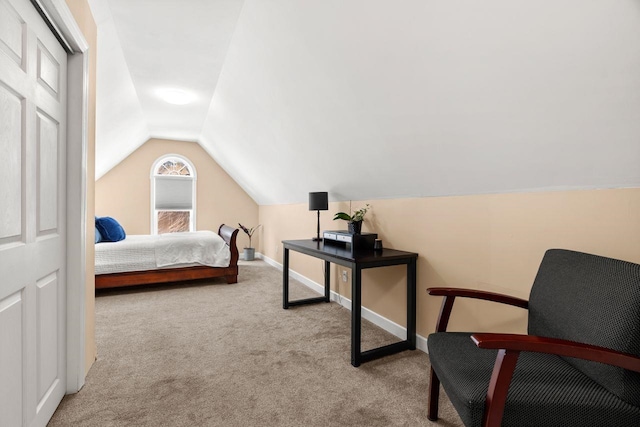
12,40
47,333
48,71
32,231
11,145
11,360
47,140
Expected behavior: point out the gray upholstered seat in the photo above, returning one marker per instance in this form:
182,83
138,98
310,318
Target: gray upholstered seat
575,297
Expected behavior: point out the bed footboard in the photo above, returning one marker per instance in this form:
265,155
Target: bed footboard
229,235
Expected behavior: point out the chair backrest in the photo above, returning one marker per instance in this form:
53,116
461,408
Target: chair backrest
594,300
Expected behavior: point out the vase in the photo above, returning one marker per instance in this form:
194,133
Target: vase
249,254
355,227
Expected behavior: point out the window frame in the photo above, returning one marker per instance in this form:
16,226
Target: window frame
192,176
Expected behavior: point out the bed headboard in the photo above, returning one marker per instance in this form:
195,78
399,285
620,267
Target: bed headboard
229,235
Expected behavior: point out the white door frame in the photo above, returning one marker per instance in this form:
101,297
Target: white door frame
61,20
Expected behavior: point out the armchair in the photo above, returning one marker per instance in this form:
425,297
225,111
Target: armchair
579,364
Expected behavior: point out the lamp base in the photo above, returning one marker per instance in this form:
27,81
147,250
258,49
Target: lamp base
318,238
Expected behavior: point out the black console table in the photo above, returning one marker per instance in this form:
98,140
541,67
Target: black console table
357,260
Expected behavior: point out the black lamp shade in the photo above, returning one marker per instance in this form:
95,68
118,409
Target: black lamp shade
319,201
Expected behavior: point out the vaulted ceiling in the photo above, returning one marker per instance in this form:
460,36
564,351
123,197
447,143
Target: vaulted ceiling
375,99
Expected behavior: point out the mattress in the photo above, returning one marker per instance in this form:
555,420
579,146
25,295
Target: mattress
146,252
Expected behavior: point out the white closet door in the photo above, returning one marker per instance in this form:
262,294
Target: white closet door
33,87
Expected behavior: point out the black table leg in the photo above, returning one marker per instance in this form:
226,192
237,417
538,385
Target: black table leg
356,314
285,279
411,304
327,281
285,286
357,355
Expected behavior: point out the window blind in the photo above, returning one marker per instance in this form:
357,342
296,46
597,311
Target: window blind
173,192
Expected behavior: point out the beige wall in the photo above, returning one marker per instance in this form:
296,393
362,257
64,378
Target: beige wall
124,192
82,14
492,242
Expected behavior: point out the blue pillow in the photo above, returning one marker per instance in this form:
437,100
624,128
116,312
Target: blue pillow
98,236
110,229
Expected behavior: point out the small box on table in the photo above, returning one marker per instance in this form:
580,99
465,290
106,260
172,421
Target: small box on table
349,240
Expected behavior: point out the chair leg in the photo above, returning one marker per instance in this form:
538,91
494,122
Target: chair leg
434,393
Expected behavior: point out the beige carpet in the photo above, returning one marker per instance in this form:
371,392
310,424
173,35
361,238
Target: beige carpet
212,354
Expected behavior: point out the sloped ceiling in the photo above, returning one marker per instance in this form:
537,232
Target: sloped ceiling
148,45
374,99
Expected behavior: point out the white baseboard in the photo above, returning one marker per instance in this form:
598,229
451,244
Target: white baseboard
373,317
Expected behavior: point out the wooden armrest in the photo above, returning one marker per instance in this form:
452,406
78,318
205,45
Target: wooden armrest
450,295
472,293
512,342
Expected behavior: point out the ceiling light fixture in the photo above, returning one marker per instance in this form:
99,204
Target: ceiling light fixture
175,96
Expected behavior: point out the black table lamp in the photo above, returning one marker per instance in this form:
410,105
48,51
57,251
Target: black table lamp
318,201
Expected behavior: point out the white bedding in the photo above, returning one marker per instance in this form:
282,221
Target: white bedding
146,252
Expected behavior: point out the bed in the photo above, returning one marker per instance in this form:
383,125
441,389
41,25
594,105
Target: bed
143,260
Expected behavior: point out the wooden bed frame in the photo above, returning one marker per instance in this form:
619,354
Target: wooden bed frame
165,275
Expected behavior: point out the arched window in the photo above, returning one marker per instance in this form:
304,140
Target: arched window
173,195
